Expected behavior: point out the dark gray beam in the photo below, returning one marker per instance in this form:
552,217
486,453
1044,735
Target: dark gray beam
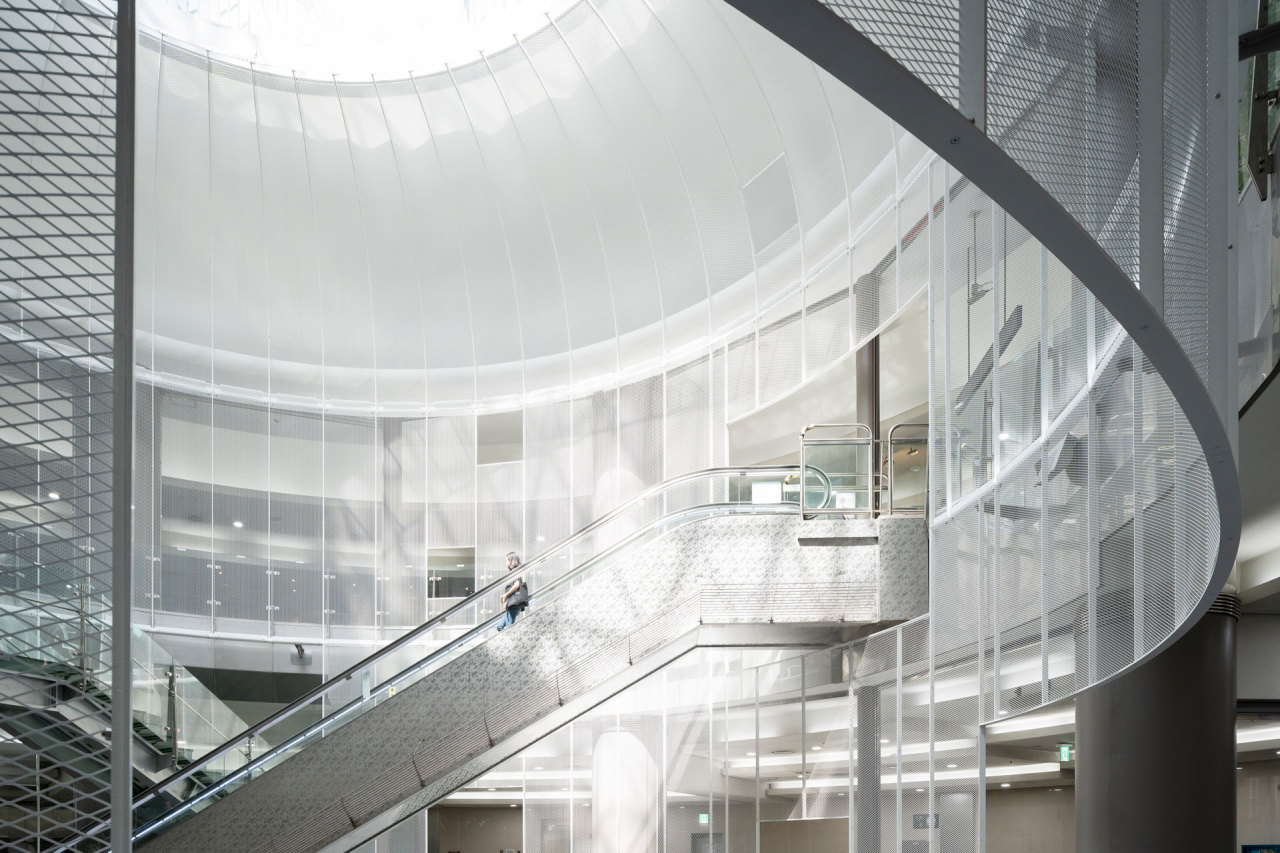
122,441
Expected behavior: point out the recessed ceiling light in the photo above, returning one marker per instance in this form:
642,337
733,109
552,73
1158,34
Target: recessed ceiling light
237,524
538,767
53,496
493,789
884,740
239,556
513,805
542,539
1004,784
751,755
1004,436
816,748
462,565
951,766
919,790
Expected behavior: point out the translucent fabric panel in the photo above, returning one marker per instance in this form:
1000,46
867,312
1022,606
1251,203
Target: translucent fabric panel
548,475
595,456
719,411
289,240
865,136
182,120
1067,552
873,268
451,488
432,232
146,107
498,521
740,371
643,139
939,361
688,427
914,224
971,328
146,501
606,176
485,254
352,536
341,264
239,326
827,332
780,350
392,272
579,262
1067,326
690,129
539,298
403,525
296,550
640,436
186,468
549,795
240,520
1017,581
1020,270
815,166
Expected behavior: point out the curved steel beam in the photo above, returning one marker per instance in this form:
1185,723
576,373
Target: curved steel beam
852,58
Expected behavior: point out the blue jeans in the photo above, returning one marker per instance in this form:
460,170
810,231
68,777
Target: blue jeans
509,617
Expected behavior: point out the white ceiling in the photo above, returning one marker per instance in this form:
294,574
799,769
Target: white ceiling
620,188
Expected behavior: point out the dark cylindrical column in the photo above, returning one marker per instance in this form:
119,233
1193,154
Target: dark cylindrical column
866,816
1155,749
866,365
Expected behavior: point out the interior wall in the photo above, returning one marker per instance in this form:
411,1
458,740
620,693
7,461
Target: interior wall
1258,803
1040,819
480,829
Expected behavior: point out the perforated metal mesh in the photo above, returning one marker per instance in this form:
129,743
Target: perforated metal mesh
57,143
924,37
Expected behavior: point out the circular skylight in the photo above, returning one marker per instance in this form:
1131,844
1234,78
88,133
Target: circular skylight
348,38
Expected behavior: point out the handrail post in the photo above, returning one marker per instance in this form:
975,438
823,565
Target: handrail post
172,712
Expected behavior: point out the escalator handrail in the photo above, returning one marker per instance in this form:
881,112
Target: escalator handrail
437,621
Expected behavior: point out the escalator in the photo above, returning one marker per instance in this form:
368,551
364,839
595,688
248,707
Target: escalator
692,562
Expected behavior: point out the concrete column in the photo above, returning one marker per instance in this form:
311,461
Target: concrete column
1155,749
866,797
625,795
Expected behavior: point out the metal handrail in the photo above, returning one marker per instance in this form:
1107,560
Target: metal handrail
892,430
865,436
435,622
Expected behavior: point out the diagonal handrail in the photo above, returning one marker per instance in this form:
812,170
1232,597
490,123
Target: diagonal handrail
439,620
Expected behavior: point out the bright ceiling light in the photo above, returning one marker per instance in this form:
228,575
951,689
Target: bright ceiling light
351,37
1004,784
237,524
54,496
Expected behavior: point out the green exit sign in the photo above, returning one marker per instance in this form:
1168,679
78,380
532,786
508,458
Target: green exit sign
704,818
1064,752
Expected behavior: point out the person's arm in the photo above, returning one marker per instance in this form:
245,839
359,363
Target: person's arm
510,591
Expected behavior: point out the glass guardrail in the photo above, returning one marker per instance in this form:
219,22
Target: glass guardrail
173,712
679,501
